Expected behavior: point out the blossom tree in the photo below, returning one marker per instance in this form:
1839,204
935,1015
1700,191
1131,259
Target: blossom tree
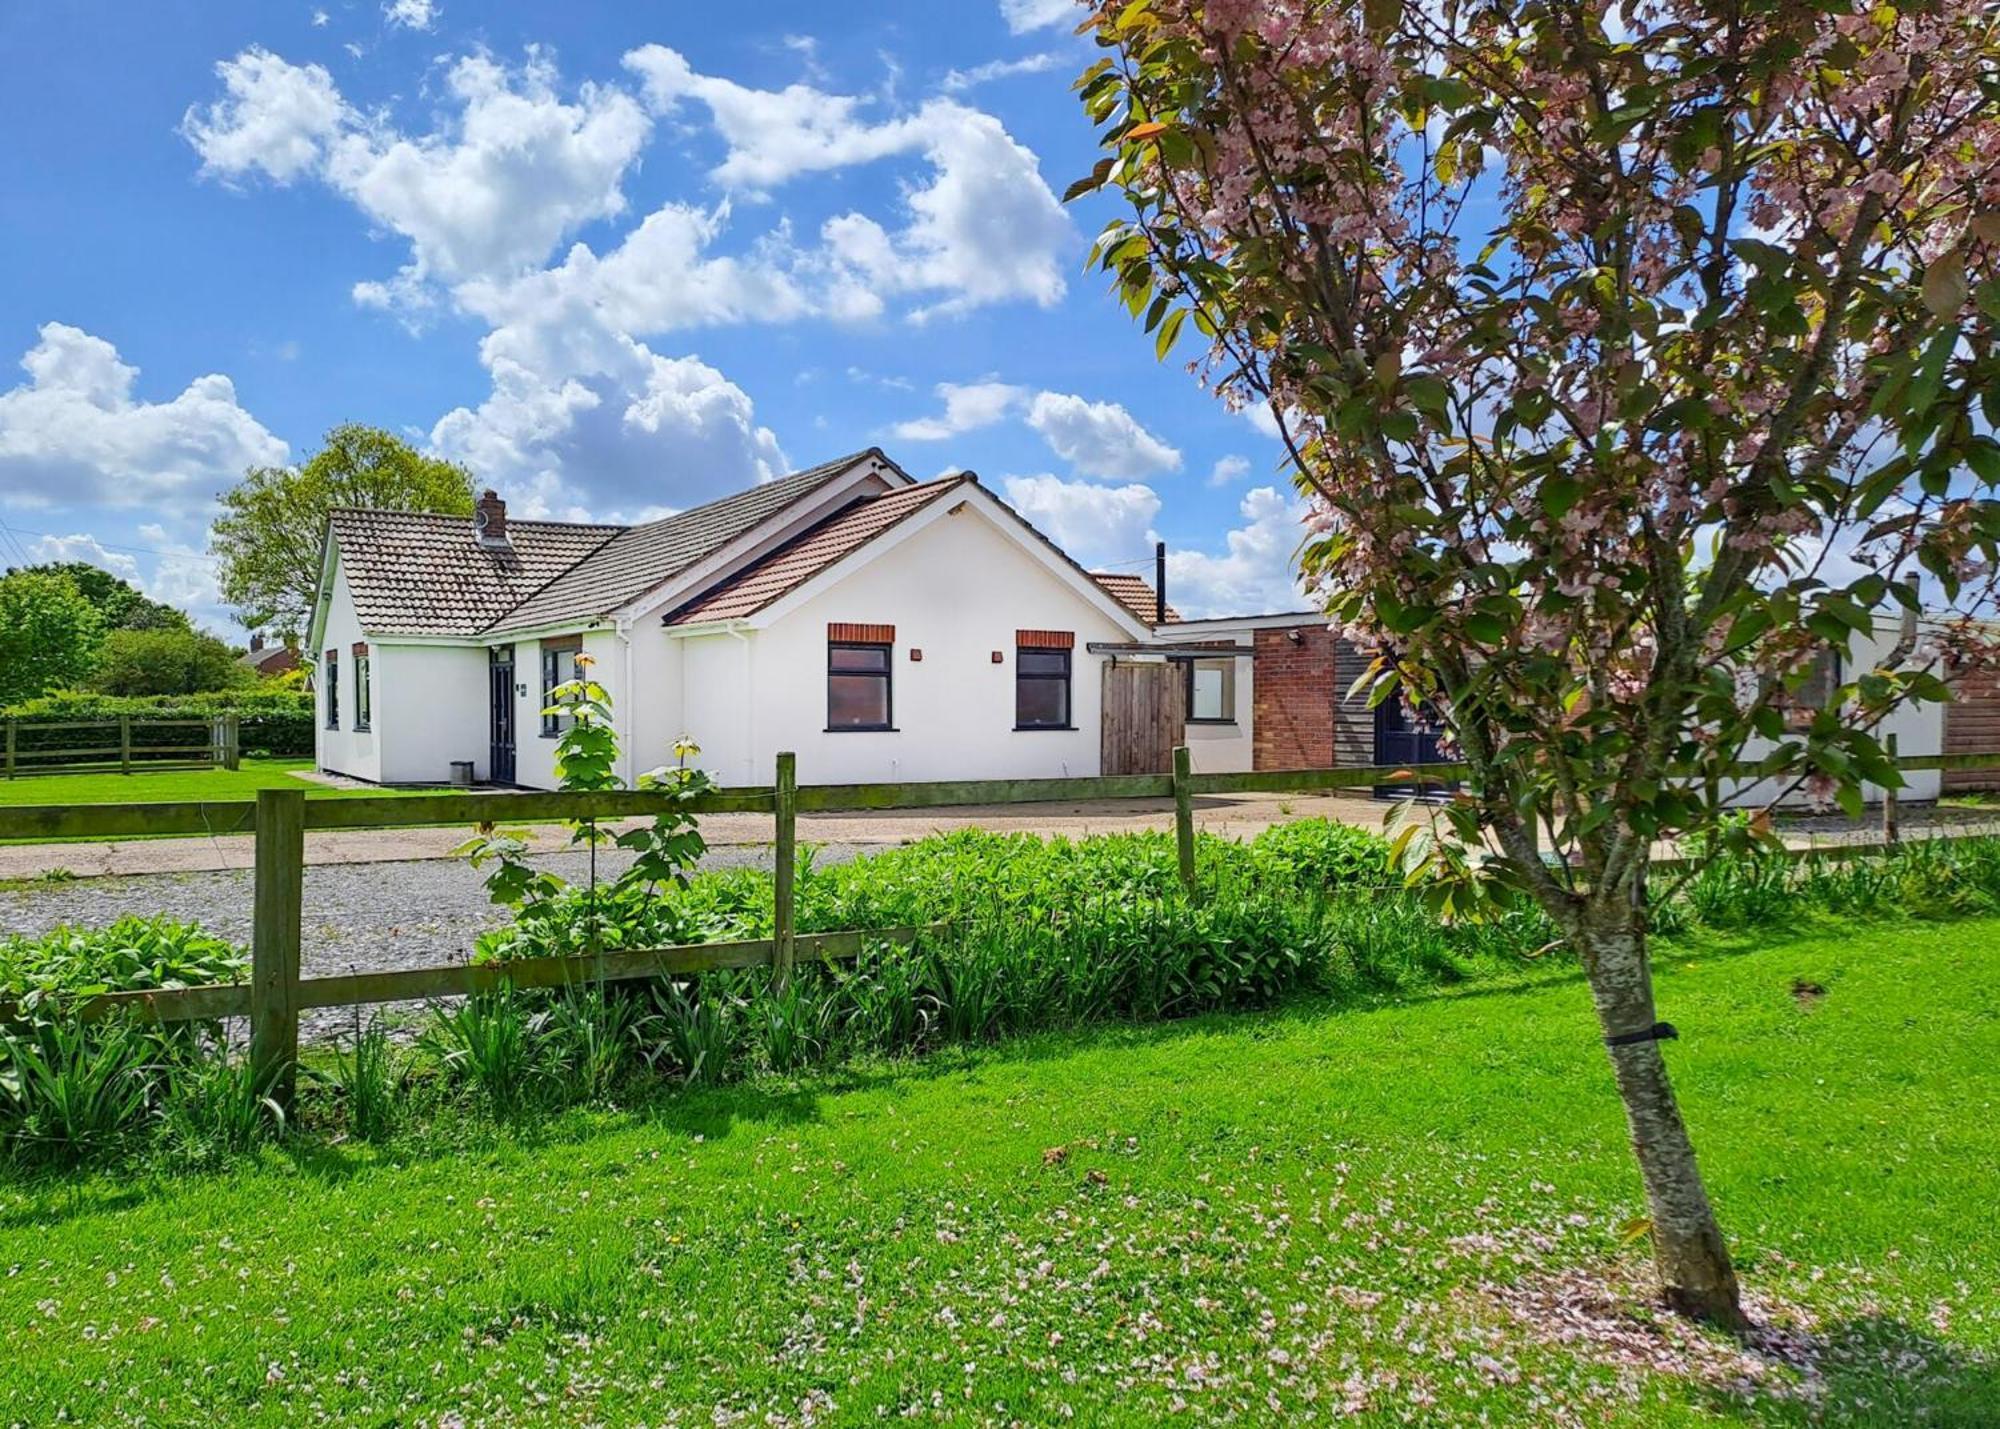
1629,357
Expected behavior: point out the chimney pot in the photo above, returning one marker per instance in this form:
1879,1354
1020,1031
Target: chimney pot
489,519
256,641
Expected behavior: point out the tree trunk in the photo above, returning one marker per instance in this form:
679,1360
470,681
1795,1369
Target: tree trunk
1695,1273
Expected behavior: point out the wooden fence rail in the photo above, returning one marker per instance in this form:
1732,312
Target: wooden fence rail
279,819
222,749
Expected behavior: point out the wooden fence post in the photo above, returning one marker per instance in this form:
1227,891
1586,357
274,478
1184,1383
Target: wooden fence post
10,749
232,742
785,868
1184,816
1891,829
125,744
274,942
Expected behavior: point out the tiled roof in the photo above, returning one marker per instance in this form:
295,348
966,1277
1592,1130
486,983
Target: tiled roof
1134,594
812,551
415,573
641,557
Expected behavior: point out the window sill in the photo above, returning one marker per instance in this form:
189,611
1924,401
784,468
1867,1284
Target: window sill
1213,723
1044,729
862,729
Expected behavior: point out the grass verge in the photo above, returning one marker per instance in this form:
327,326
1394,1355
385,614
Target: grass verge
174,785
1272,1217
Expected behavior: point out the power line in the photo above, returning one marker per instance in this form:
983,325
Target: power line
104,545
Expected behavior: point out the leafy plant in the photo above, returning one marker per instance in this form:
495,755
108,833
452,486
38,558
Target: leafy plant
368,1078
490,1045
214,1106
69,1090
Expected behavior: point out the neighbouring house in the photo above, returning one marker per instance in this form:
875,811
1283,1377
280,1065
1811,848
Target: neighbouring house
881,627
268,660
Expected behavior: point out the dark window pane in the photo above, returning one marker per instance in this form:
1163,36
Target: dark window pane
855,701
1041,702
857,657
1043,662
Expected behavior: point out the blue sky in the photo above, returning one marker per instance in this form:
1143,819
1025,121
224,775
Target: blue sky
619,259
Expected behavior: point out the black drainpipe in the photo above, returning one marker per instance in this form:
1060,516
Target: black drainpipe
1159,583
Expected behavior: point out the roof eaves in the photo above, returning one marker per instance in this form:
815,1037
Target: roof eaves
941,485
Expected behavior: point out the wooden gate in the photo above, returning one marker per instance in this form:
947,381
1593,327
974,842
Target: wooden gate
1144,716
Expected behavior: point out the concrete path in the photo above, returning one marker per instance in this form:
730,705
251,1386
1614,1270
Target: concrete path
1232,815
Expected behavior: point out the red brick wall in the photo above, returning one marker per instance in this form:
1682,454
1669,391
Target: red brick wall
1297,694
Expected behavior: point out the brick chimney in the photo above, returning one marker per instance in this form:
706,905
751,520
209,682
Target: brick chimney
256,641
489,519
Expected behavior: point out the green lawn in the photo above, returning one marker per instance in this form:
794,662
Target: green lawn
1260,1218
174,784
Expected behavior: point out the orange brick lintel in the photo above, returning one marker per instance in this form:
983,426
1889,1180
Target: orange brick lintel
1046,639
861,634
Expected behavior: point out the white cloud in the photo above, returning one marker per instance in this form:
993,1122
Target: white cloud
1096,525
984,229
411,14
621,428
1228,470
276,117
490,193
74,432
497,188
1025,15
1254,575
967,406
772,134
1099,438
53,550
957,81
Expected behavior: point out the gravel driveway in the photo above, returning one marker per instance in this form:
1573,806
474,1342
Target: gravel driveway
372,917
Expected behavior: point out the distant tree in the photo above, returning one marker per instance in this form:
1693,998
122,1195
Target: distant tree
165,662
49,633
273,521
121,604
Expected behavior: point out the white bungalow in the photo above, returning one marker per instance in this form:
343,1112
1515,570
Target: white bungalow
881,627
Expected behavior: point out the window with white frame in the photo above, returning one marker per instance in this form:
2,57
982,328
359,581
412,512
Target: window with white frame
329,675
559,667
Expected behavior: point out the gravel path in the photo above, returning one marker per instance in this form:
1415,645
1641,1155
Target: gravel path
372,917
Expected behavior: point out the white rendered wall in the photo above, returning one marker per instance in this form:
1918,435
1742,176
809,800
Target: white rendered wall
1919,729
356,753
956,589
1224,748
431,708
535,752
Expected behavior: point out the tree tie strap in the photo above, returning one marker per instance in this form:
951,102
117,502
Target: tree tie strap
1658,1032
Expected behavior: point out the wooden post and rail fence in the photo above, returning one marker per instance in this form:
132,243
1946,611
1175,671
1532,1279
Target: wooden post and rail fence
280,819
121,749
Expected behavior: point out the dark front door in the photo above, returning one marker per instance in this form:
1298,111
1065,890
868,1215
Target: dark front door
1401,740
500,675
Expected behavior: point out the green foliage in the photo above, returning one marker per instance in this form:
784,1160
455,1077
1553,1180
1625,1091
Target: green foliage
491,1046
49,633
44,976
166,662
213,1106
271,723
70,1090
368,1079
273,521
119,604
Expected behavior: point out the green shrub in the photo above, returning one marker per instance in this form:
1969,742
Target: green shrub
42,975
271,723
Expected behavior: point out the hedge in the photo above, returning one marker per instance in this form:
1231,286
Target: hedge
275,724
